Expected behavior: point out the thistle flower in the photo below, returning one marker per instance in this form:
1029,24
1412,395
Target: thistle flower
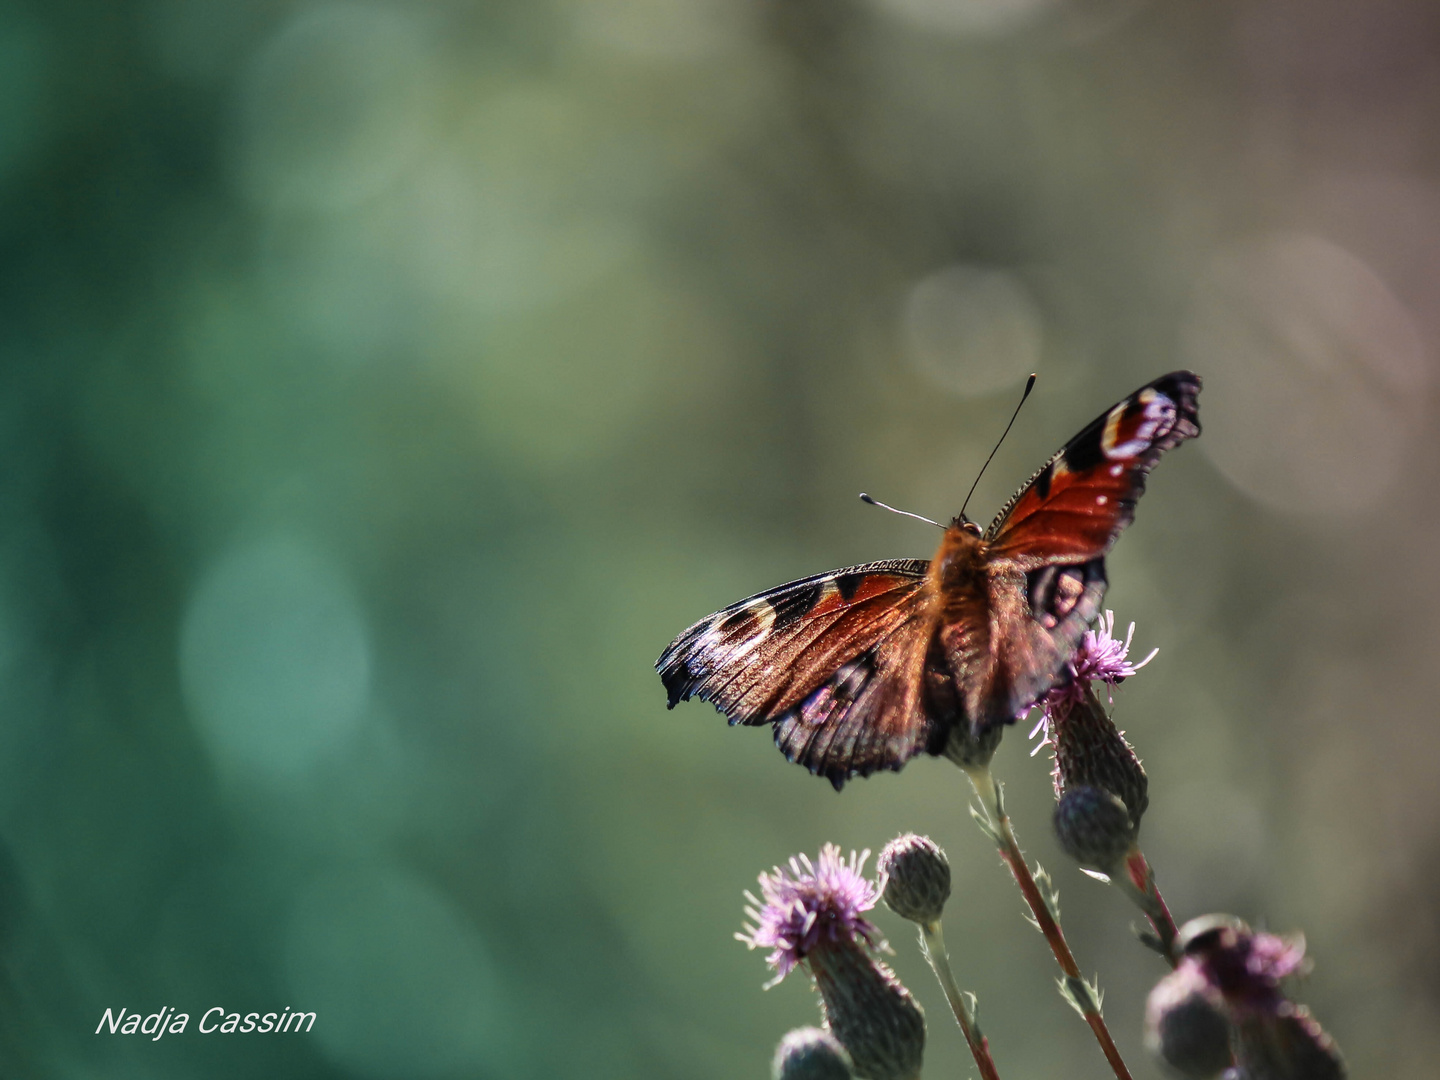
1103,656
811,906
813,913
810,1054
914,878
1088,749
1244,966
1100,657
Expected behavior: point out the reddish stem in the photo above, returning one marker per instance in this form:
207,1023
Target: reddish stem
1054,936
1147,897
981,1052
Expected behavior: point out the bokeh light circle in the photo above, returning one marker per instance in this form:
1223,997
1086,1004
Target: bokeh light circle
403,986
274,657
972,330
1312,373
969,17
334,108
664,30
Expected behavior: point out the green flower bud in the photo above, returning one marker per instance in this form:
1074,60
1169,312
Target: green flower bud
811,1054
915,878
1094,828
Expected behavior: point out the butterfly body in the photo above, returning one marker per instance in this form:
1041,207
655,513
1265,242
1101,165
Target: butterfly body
863,668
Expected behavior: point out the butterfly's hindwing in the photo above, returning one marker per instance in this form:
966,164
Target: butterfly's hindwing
1033,650
871,713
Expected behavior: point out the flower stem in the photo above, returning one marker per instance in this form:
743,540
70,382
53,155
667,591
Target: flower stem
983,782
932,944
1138,883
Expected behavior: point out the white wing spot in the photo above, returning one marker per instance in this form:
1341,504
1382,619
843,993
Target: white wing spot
1101,500
1116,470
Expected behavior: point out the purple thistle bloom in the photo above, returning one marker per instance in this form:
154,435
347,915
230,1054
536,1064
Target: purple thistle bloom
1273,957
811,906
1246,966
1101,657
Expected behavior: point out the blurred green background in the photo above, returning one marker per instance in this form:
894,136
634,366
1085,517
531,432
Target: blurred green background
382,385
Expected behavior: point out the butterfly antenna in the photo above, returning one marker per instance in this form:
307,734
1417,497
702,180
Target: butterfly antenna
876,502
1029,385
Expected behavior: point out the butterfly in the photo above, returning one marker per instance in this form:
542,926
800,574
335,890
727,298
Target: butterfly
864,668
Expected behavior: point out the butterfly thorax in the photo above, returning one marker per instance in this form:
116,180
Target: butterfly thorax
958,569
959,661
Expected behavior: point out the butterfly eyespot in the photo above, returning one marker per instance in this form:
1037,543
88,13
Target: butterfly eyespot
1053,593
1067,591
1122,437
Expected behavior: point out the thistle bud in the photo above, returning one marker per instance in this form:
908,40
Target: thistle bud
872,1014
1090,751
1186,1026
971,746
1094,828
914,878
1287,1045
811,1054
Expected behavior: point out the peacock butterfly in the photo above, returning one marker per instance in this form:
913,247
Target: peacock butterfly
863,668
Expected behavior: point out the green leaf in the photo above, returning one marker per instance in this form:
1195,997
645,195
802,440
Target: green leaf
1083,997
986,826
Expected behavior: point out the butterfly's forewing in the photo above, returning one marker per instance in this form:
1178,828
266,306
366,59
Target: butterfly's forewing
1075,507
759,657
1045,550
834,661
